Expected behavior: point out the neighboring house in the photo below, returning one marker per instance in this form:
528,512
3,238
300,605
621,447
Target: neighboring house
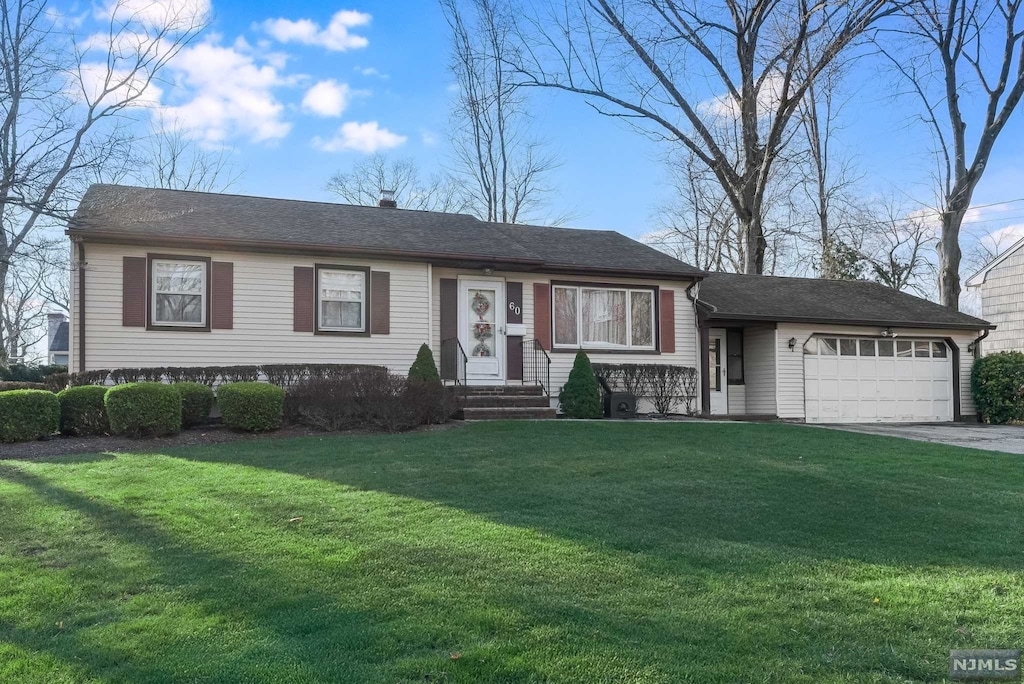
57,339
1001,283
173,278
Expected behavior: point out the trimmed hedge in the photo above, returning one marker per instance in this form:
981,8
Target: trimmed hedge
997,383
16,385
28,414
82,411
580,396
147,409
251,406
196,402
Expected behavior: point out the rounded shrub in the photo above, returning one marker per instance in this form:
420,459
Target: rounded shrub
28,414
424,369
251,406
580,396
143,409
82,411
997,383
196,402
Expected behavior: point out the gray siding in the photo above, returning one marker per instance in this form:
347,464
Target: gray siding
759,350
1002,304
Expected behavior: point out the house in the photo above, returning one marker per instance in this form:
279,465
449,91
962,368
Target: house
174,278
1001,283
56,339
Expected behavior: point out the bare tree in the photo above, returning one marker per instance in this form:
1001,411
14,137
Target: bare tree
367,179
673,68
505,168
895,247
953,53
171,160
63,108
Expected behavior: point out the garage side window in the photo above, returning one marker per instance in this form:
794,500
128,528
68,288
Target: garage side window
734,362
179,293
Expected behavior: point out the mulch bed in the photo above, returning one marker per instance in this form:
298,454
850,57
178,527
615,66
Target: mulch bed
211,434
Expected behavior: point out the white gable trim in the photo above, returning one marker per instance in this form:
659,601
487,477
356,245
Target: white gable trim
978,278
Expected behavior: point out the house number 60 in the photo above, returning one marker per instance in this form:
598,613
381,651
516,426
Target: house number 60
515,308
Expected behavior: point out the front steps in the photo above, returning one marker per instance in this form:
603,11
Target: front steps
505,402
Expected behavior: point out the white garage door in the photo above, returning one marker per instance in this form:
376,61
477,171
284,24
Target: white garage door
865,380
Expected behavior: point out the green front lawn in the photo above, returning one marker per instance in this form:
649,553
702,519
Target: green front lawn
513,552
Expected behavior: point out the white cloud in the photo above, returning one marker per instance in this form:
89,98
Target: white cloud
175,14
366,137
123,85
428,137
335,36
327,98
231,94
727,107
371,71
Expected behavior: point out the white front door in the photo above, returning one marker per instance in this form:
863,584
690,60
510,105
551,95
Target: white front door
716,372
482,328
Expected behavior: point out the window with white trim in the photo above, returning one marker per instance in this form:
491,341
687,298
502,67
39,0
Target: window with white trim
603,317
341,300
179,292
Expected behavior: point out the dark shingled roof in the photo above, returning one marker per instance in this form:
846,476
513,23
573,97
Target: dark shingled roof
60,338
176,214
774,298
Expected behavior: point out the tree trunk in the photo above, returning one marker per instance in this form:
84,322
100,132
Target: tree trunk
752,230
949,257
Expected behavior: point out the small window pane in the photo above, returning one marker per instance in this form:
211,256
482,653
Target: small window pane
338,285
642,323
604,317
867,347
848,347
885,347
938,350
904,348
565,316
341,315
921,350
715,358
176,308
183,277
827,347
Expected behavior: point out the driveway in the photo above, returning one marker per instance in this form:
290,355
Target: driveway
1007,438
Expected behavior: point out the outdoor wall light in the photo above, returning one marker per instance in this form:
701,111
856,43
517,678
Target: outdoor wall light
792,343
488,270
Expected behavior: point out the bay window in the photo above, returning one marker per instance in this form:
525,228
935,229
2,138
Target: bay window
179,292
341,300
601,317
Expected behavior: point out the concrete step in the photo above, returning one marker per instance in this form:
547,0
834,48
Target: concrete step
512,413
506,401
503,390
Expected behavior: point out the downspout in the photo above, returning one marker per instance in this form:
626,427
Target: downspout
81,306
703,341
973,346
430,306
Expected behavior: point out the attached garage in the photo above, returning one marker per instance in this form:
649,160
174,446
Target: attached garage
876,380
835,351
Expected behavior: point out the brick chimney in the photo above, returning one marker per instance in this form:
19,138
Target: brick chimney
387,199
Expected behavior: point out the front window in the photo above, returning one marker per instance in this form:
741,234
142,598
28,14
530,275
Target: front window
179,292
603,317
341,300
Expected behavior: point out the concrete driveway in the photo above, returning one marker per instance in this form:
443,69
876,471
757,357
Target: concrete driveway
1006,438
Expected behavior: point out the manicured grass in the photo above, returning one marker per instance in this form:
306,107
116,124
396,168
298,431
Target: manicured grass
505,552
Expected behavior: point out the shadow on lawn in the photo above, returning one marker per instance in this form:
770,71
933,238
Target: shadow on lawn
666,490
215,584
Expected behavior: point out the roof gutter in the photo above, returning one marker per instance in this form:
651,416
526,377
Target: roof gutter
977,325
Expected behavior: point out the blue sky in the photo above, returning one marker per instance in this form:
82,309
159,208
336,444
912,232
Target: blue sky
300,90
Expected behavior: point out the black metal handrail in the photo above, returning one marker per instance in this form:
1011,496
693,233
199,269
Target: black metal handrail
453,361
536,365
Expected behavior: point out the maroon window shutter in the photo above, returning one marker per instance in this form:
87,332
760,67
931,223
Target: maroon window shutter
449,323
667,306
380,303
514,356
303,298
514,310
223,295
133,292
542,314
